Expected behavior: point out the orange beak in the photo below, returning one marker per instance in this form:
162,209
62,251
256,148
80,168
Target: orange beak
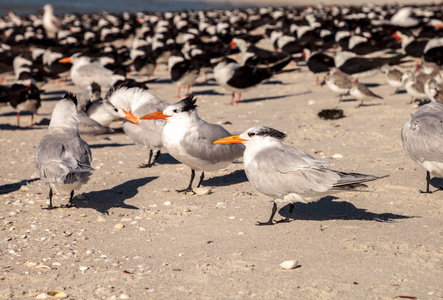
130,117
65,60
234,139
155,116
233,44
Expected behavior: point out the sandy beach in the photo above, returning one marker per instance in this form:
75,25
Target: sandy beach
131,235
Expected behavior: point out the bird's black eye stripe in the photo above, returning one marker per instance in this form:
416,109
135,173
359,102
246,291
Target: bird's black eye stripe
251,134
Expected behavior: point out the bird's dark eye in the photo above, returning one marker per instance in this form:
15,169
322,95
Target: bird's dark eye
115,109
251,134
175,111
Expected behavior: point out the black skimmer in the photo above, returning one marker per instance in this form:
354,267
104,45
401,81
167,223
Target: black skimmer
235,78
318,62
183,72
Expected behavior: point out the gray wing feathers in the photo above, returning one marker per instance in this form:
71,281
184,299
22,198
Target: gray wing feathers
201,144
279,172
59,159
422,134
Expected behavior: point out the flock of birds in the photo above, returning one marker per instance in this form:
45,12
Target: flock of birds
100,51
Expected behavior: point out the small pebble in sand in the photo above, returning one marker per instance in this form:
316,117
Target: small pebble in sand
124,296
202,191
83,268
289,264
167,203
119,226
337,156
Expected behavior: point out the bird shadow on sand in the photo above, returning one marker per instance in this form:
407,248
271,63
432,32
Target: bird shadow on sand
437,183
274,97
14,127
166,159
53,95
327,209
12,187
163,81
103,201
208,92
235,177
97,146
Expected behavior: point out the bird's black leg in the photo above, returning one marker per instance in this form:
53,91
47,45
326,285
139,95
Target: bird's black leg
201,179
291,209
50,201
70,204
157,154
189,188
428,182
274,210
149,164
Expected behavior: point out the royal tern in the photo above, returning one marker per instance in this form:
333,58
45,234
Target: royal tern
189,139
84,72
62,158
288,174
132,103
422,137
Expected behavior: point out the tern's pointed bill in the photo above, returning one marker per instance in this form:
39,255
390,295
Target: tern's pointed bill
155,116
130,117
233,139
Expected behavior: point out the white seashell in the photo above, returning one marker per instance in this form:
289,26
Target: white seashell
289,264
337,156
119,226
202,191
83,269
167,203
43,267
52,295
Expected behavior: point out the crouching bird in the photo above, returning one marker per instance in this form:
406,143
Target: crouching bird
63,159
190,139
288,174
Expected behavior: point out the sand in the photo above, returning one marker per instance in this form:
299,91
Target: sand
132,236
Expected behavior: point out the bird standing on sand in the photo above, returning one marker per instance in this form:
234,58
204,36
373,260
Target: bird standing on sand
362,92
62,158
288,174
422,137
189,139
50,23
132,103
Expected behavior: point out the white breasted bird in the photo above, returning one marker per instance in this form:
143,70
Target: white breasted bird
288,174
130,104
422,137
62,158
190,140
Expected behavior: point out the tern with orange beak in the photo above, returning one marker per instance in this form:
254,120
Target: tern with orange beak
190,140
130,104
288,174
84,72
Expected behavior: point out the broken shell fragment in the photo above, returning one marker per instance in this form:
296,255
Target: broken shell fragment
52,295
289,264
43,267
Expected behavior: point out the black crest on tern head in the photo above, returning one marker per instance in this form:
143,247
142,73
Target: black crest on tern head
188,103
70,96
268,131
